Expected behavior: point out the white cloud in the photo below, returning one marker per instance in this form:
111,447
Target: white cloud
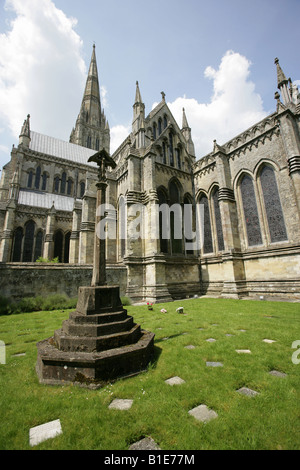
39,55
234,105
117,135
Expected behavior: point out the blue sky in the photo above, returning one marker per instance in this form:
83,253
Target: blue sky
214,58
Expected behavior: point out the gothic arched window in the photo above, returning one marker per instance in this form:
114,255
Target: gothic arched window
178,159
171,152
218,220
44,181
69,186
37,178
165,121
63,183
164,153
206,229
30,178
28,242
82,189
154,131
97,144
176,230
163,240
56,184
250,211
17,244
272,205
189,222
89,142
38,245
67,247
58,245
159,126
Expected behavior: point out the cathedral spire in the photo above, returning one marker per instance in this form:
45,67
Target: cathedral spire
282,84
138,121
24,137
186,131
91,129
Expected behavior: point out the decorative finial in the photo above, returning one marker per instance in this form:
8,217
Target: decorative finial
163,95
276,61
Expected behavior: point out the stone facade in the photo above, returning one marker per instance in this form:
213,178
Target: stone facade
246,192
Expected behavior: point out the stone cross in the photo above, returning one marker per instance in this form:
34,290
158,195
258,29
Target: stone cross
103,161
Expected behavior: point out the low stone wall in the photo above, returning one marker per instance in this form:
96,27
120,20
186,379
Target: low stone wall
19,280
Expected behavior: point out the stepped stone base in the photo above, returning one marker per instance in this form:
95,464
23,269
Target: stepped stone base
99,343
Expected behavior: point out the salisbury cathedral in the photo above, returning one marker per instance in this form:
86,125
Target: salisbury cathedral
248,189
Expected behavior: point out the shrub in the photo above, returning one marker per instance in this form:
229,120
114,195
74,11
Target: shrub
36,304
126,301
47,260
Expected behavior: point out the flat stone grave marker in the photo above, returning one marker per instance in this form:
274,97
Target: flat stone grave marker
276,373
247,391
190,346
145,444
120,404
214,364
203,413
43,432
243,351
269,341
175,381
243,331
18,354
210,340
228,334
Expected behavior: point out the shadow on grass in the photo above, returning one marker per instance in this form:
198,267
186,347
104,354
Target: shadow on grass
168,337
156,355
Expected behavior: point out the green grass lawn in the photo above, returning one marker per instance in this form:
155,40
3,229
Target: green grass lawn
269,420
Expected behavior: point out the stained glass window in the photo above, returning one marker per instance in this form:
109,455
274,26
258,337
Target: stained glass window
30,177
163,241
207,237
38,245
67,247
28,241
63,183
18,237
44,181
250,211
218,220
82,189
272,205
58,245
37,178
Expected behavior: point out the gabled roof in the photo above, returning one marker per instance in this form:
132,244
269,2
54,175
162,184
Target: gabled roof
58,148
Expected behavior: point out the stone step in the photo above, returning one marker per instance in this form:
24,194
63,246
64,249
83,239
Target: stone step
99,318
95,344
93,369
72,328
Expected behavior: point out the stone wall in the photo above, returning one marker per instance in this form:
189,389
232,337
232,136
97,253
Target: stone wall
18,280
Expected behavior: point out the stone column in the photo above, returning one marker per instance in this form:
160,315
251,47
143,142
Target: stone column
74,241
49,240
234,283
7,235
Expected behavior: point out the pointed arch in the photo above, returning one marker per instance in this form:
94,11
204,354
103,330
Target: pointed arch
272,203
249,205
28,241
17,244
217,217
207,243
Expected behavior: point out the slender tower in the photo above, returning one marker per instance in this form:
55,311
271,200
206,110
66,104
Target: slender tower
91,129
